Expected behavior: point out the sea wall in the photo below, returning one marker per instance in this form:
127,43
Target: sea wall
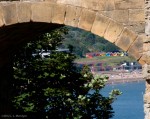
146,74
146,67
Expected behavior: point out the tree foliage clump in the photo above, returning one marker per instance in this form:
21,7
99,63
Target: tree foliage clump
52,86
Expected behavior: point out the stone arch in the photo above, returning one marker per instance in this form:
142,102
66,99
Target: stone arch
12,13
111,19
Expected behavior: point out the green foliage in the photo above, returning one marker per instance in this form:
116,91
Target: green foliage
53,86
111,47
84,42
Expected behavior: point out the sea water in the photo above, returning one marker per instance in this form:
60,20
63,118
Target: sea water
129,105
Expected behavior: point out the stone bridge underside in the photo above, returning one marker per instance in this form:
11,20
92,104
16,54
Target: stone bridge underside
122,22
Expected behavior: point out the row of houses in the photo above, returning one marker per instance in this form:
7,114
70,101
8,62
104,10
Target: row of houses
96,54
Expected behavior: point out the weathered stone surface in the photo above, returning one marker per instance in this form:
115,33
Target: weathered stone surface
24,12
106,5
72,16
146,75
138,27
71,2
147,81
146,57
109,5
136,48
147,28
107,13
129,4
121,16
58,14
86,20
1,17
31,0
141,61
136,15
113,31
54,1
93,4
10,13
100,24
41,12
146,47
126,39
146,39
147,97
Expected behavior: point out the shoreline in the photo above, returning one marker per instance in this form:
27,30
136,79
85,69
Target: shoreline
116,77
129,80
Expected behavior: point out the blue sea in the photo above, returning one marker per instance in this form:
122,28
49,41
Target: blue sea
129,105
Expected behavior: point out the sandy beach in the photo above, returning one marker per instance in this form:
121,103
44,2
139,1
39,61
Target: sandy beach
122,76
114,81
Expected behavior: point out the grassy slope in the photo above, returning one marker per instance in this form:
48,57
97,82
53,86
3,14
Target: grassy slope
111,61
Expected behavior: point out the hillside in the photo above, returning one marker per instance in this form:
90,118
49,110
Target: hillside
109,61
84,42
